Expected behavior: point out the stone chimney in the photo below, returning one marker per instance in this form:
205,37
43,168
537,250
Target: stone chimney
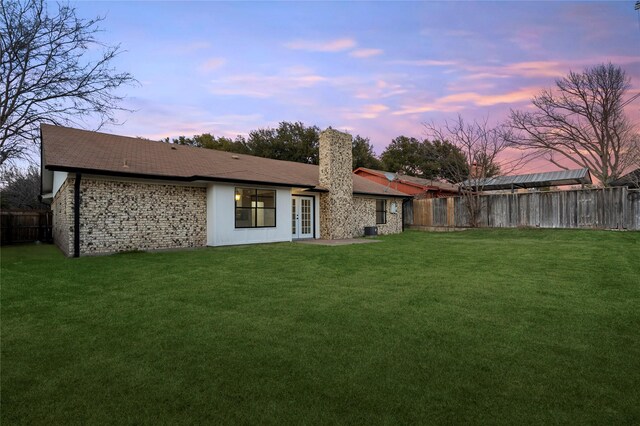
336,206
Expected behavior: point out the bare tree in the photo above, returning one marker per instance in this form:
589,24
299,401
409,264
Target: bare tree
20,188
582,121
46,75
483,147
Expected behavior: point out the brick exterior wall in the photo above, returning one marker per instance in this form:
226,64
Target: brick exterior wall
364,213
336,206
62,208
121,216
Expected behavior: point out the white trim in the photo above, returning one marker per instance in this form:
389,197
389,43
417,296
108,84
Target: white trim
58,181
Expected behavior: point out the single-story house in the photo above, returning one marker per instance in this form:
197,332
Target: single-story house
113,193
410,185
630,180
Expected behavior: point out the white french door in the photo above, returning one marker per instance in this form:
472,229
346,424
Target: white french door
301,217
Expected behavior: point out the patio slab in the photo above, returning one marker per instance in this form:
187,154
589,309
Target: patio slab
344,242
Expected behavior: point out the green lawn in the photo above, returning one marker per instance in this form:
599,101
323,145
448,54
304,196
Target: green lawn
491,326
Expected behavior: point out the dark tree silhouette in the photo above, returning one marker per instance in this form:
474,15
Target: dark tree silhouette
425,159
363,155
405,155
289,141
582,121
46,75
20,188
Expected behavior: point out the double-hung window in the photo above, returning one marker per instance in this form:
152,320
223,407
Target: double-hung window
255,208
381,212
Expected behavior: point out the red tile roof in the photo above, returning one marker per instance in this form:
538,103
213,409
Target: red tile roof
68,149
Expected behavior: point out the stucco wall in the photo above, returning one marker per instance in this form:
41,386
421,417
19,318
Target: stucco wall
221,229
62,208
364,213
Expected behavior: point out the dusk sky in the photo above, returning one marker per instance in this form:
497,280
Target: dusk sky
377,69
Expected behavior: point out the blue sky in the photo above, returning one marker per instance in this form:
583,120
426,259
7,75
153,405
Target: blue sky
377,69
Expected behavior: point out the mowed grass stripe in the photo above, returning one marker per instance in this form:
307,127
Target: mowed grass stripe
486,326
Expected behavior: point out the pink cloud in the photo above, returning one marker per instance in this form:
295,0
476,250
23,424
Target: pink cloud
541,69
516,96
265,86
536,69
379,89
418,109
212,64
368,112
460,101
529,69
365,53
428,63
336,45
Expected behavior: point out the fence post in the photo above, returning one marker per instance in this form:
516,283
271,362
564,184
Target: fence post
9,228
451,212
625,209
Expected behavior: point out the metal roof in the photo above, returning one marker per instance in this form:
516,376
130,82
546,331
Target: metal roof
534,180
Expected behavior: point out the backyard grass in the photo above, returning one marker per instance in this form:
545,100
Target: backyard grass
490,326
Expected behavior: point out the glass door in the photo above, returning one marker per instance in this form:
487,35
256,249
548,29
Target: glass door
302,217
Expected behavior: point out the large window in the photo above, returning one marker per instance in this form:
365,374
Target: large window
381,212
255,208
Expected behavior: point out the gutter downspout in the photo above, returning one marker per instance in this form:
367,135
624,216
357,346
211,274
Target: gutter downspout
76,216
41,165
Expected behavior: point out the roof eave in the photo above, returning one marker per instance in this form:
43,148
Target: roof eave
377,194
115,173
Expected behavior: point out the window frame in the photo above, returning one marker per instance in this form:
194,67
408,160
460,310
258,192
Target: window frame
254,210
383,211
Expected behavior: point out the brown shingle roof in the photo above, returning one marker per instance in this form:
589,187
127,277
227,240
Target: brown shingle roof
70,149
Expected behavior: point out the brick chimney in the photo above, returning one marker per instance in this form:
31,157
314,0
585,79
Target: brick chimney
336,206
475,172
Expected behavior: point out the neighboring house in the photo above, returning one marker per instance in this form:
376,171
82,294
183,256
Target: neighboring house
114,193
415,186
631,180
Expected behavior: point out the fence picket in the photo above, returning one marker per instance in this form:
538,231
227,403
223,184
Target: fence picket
604,208
23,226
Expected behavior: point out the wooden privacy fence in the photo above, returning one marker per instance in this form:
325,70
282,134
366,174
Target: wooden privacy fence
24,226
605,208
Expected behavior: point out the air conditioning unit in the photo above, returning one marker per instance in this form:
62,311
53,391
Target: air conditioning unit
370,231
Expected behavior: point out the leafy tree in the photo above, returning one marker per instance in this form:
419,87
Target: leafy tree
406,155
442,158
21,188
583,121
425,159
207,140
46,75
289,141
363,155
